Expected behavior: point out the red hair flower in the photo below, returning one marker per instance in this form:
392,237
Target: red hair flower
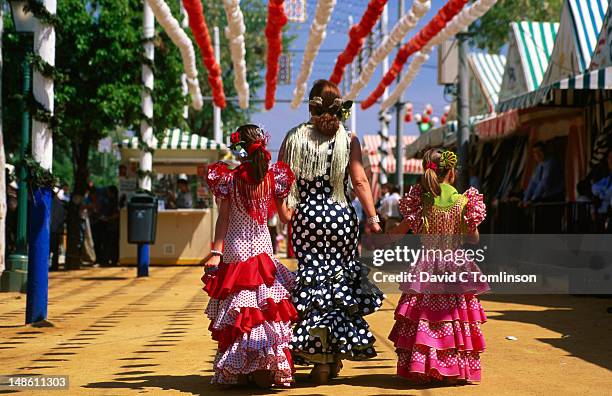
235,137
431,165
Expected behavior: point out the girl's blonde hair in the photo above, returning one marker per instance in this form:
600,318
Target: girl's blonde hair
437,163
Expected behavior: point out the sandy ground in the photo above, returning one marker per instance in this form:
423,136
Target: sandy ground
115,334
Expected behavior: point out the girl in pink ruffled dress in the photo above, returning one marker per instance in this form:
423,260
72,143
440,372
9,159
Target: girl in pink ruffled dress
437,332
250,307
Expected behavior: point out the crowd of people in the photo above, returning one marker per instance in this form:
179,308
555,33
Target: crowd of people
98,239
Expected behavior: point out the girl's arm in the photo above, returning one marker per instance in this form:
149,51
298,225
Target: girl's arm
402,228
472,237
284,213
212,260
361,185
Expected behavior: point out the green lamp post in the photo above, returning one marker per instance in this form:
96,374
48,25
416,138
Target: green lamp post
14,278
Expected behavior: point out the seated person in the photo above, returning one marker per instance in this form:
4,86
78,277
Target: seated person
547,181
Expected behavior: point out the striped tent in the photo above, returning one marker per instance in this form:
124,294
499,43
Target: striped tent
372,144
488,71
566,92
531,45
602,56
581,22
176,139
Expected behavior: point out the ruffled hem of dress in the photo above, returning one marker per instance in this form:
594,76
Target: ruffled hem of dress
240,360
323,337
249,274
423,364
248,318
460,336
463,308
351,290
223,312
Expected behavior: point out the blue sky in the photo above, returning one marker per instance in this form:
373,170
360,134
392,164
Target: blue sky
423,90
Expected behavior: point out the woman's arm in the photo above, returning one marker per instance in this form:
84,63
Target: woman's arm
212,260
361,185
284,213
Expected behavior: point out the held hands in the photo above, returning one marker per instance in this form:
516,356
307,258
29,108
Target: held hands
375,228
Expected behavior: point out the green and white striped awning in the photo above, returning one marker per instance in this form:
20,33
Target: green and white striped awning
176,139
561,92
535,42
489,71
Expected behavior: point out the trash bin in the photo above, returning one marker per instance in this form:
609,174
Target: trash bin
142,218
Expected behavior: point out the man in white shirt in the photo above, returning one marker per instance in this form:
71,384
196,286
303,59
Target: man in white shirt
389,208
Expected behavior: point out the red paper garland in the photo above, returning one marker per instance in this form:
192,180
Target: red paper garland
437,23
197,23
357,36
274,28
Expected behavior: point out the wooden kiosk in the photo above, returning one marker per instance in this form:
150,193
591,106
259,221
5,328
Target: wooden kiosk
184,236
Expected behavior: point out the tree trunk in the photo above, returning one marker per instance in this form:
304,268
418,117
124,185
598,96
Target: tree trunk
80,156
2,165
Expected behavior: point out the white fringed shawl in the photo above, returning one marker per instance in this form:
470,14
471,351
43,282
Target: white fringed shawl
305,151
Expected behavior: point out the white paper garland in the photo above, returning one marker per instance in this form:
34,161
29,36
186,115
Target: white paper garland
461,21
401,28
235,34
181,40
315,38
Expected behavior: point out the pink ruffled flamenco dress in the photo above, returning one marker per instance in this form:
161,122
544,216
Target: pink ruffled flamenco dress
250,307
437,331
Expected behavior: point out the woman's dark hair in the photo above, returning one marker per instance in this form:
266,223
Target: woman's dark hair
432,178
325,115
250,134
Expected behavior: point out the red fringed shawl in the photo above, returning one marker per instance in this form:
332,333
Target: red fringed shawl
257,199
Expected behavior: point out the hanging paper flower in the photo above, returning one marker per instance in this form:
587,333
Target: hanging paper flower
198,26
274,35
181,40
315,38
461,21
357,35
235,35
401,28
433,27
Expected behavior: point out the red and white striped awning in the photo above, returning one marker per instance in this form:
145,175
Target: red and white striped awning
372,144
498,126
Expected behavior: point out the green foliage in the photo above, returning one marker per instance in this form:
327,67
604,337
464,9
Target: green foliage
491,31
99,57
37,175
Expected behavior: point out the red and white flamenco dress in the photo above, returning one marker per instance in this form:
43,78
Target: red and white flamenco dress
250,305
437,332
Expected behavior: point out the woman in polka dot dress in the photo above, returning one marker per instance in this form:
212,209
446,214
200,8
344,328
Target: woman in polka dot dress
332,293
250,307
437,330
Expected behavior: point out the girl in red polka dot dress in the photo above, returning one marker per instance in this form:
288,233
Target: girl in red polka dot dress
437,332
250,307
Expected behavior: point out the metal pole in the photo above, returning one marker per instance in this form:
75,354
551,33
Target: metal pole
22,197
399,142
15,276
463,115
384,115
218,131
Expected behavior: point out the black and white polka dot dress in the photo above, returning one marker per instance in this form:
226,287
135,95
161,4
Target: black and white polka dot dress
333,292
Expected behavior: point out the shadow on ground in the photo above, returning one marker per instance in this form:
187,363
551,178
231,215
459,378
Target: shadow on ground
583,322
